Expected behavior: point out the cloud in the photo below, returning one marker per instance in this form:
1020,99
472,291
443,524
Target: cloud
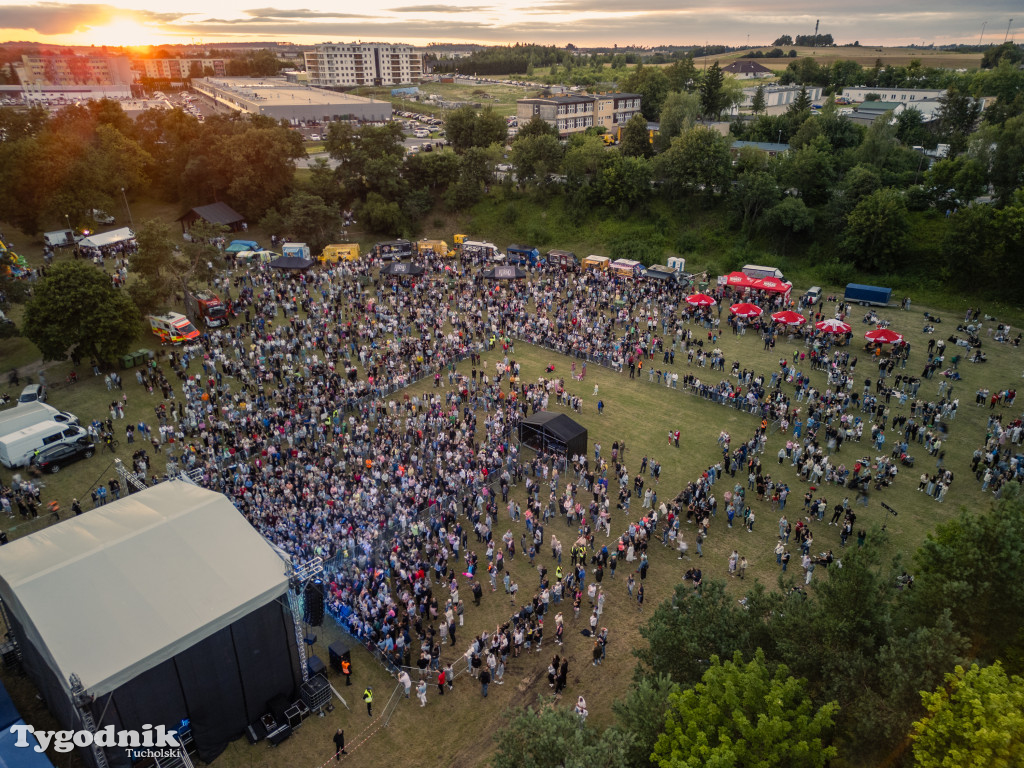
441,9
67,18
298,13
391,31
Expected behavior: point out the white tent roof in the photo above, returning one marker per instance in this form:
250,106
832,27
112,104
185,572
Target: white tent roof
101,239
125,587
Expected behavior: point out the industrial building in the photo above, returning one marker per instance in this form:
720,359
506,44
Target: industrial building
282,100
332,65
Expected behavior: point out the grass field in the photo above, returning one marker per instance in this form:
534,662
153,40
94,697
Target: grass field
636,411
500,97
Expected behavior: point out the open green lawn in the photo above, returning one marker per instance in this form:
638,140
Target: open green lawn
641,414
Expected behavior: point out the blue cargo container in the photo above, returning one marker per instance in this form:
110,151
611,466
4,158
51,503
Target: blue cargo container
868,294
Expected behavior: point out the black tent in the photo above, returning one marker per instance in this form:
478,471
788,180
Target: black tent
553,432
164,606
402,269
504,272
291,264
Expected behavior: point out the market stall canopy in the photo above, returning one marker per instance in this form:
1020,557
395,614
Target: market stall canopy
401,268
700,300
883,336
103,239
833,326
745,309
773,284
789,317
237,246
292,264
504,272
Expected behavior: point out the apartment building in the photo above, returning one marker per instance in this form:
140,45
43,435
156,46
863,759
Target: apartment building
332,65
179,69
575,113
70,70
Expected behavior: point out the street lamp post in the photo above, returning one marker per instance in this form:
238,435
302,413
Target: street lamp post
128,208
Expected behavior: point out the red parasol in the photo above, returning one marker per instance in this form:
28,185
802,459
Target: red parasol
700,300
743,309
883,336
789,317
833,326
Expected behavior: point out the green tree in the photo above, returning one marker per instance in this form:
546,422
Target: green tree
682,75
810,171
535,126
955,571
625,185
754,194
742,714
535,157
679,114
635,141
712,92
801,104
975,721
652,84
1007,167
641,713
957,117
464,128
75,308
697,161
554,737
876,230
790,217
759,103
307,218
910,128
690,628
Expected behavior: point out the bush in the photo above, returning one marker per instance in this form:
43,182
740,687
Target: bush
836,272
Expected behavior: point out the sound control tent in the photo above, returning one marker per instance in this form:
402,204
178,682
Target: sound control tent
555,432
166,604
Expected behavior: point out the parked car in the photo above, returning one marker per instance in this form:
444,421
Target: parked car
32,393
813,295
53,459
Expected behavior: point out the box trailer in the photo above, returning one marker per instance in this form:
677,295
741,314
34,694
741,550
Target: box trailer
759,272
873,295
597,262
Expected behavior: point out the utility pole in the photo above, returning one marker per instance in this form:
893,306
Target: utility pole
1005,37
982,36
814,41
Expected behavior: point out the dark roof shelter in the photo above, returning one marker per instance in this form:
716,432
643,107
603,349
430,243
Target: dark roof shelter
553,432
214,213
291,264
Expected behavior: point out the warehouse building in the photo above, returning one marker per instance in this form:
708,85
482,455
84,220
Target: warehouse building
282,100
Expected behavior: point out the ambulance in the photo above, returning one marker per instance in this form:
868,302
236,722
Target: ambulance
172,328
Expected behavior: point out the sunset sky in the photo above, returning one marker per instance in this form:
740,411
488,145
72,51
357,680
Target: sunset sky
582,22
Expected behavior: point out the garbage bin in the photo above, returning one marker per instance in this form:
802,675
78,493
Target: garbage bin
127,361
141,357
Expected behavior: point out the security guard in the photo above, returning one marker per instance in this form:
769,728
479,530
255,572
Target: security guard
346,670
368,698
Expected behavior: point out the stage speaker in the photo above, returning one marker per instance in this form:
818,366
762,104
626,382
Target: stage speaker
314,613
315,666
280,734
338,651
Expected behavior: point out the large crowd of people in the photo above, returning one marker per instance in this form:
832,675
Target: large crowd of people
298,411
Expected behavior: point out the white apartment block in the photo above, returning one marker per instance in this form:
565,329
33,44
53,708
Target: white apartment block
343,64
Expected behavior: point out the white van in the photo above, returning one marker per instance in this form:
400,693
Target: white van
29,414
17,448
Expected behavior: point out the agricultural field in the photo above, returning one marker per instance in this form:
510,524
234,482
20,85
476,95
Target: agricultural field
866,56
